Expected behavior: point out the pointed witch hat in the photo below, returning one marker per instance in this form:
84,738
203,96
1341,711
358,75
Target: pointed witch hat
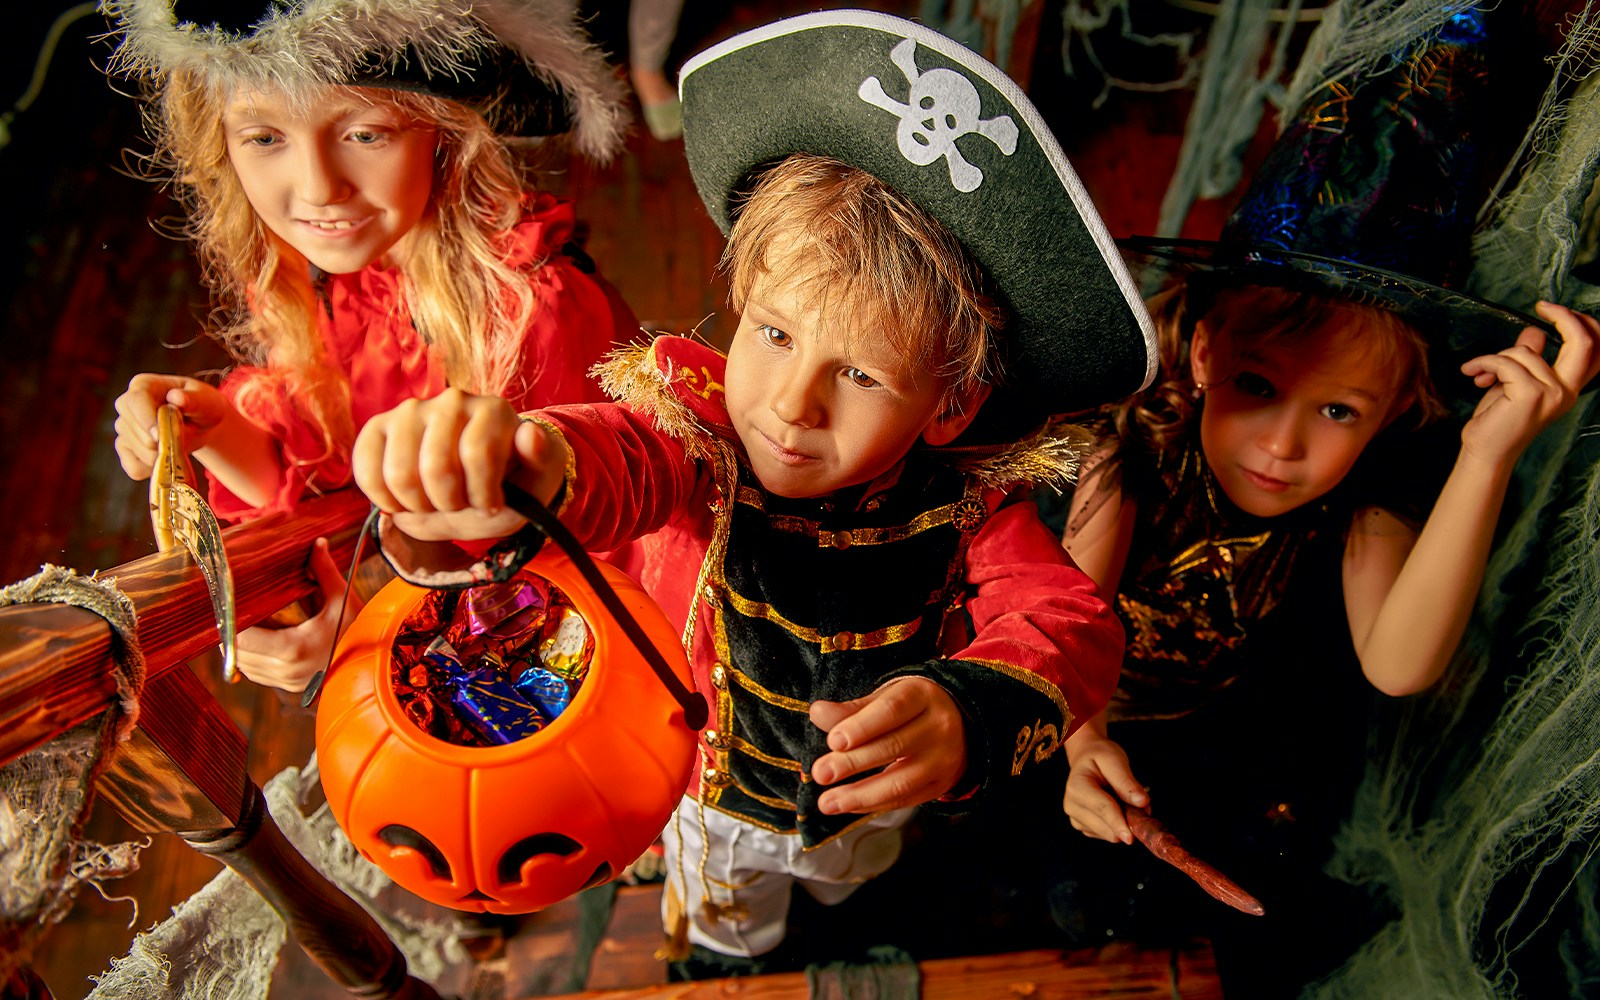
1371,194
525,65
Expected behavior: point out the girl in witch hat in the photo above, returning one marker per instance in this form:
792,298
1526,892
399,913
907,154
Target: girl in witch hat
356,185
1323,320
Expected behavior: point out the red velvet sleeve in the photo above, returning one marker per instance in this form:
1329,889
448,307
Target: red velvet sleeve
628,478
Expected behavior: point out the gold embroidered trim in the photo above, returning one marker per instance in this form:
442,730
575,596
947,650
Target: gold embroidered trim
1200,552
749,750
1049,458
1039,741
935,518
770,697
770,801
793,525
753,821
869,817
837,642
1034,681
870,640
629,374
570,476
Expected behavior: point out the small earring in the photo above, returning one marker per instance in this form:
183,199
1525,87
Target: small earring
1199,389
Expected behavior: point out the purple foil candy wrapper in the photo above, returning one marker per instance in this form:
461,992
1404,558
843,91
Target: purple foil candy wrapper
492,707
545,689
500,618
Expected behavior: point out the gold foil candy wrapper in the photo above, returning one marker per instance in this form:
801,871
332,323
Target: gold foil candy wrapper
567,646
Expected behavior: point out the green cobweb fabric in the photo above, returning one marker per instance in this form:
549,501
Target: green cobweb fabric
1479,812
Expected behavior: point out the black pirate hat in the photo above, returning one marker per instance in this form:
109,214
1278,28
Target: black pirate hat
1371,193
947,129
526,65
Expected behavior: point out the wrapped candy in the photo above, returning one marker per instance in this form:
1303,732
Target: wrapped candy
548,691
566,648
491,707
499,618
490,665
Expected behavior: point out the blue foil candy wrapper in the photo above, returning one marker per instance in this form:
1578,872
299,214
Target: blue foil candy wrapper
484,698
493,708
545,689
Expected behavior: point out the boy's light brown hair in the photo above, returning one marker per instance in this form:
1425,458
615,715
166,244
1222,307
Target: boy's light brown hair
868,252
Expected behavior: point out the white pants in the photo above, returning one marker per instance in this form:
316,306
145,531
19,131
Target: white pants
750,872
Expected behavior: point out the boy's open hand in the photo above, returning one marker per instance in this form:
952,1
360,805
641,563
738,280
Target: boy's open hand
204,410
1525,393
1100,781
438,465
910,727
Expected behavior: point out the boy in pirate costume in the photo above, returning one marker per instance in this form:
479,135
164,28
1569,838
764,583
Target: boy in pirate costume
917,298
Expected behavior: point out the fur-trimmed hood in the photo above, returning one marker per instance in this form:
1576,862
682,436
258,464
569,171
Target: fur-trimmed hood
444,47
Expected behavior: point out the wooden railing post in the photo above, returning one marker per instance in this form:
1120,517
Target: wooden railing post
184,770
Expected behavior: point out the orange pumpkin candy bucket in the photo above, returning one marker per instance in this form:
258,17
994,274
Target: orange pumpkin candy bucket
514,827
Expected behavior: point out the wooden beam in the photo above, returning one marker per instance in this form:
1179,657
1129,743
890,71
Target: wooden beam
55,659
1119,971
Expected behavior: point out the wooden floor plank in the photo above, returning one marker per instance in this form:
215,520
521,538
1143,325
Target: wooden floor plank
1120,972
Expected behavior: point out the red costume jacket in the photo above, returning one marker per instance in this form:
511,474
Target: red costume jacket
578,317
795,600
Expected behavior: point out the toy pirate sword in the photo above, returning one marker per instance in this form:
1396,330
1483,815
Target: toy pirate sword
1150,832
180,515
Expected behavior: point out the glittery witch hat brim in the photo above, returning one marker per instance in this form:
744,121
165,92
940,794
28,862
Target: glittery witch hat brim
1371,194
1458,325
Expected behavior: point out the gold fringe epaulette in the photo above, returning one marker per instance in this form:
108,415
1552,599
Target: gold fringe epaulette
1049,457
631,375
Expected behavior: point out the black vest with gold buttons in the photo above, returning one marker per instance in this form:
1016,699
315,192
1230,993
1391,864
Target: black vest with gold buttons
822,599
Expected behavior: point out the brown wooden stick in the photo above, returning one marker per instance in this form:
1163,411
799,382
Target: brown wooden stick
1164,845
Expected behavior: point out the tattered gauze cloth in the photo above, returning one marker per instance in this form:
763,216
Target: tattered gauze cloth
46,793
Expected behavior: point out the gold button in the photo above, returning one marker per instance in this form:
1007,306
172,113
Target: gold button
716,740
716,778
841,539
719,677
844,640
711,592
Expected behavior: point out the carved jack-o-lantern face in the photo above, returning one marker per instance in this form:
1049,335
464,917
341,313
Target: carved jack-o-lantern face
512,828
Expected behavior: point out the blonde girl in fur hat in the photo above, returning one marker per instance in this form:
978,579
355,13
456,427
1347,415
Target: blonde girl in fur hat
356,195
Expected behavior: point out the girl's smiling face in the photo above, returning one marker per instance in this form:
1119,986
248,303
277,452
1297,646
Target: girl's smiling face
342,181
1284,422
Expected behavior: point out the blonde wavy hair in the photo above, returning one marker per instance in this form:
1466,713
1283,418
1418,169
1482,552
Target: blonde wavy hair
461,295
1259,315
895,267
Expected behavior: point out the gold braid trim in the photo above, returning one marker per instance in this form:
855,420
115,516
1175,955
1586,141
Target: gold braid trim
629,375
1049,458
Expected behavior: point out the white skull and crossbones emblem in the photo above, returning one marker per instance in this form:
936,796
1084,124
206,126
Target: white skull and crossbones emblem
942,107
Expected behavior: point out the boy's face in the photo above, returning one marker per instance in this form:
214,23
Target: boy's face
1284,423
342,182
819,406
